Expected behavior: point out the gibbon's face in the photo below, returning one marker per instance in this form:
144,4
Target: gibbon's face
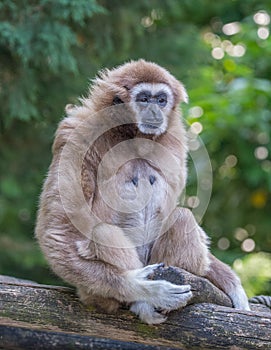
152,103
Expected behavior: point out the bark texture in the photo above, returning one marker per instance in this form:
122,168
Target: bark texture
34,316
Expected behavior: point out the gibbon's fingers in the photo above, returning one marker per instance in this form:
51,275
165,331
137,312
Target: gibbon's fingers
146,271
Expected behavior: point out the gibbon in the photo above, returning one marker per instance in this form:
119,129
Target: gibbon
108,214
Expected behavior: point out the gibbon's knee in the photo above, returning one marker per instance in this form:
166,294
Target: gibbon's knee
184,245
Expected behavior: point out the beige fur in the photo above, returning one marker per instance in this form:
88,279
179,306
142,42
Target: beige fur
106,252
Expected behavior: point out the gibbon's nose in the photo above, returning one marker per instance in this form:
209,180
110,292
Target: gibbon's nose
154,114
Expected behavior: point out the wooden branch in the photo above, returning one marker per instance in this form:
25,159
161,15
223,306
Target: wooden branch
34,316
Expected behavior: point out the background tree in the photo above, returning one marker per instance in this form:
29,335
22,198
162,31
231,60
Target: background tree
221,51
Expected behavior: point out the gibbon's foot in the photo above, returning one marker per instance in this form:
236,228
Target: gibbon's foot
239,298
147,313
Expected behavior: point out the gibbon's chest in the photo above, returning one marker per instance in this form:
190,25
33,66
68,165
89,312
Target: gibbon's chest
140,206
132,196
141,189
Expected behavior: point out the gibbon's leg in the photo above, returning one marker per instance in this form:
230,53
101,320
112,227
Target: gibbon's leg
118,273
185,245
225,279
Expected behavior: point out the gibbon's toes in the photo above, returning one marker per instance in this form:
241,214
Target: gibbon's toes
154,318
239,299
147,313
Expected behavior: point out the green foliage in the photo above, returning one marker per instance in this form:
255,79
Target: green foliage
255,273
37,39
236,123
49,50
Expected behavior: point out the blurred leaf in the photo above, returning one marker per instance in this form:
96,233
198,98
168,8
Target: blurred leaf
255,273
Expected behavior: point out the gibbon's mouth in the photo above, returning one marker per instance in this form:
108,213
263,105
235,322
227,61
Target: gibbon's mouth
151,126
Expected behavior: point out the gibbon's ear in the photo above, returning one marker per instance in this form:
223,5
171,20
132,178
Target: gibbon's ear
179,91
185,97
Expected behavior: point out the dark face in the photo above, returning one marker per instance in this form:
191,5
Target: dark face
151,110
152,103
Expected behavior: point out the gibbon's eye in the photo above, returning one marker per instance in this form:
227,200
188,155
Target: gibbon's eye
162,100
117,100
143,97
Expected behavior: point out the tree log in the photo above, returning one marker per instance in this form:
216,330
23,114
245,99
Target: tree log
40,317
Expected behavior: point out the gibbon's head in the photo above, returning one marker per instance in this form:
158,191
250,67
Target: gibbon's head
151,91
